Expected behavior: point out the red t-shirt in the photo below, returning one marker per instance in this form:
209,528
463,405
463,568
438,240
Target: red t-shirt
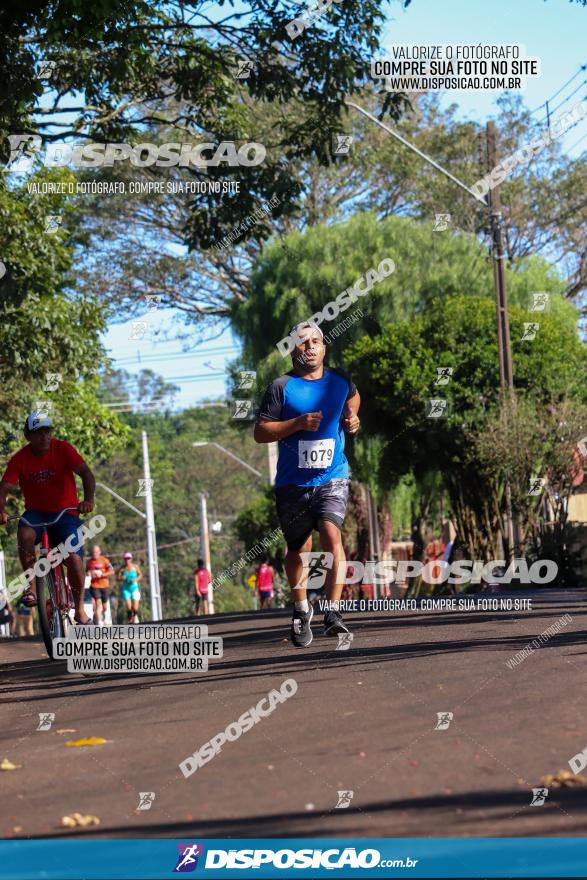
265,578
203,579
47,481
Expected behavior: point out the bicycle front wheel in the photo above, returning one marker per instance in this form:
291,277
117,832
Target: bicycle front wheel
48,607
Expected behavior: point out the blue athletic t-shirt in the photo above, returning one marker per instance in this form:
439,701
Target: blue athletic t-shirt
310,458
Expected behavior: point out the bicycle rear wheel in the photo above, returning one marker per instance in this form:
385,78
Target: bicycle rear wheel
49,615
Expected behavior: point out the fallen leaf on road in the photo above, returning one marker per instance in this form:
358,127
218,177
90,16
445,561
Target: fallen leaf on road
67,730
77,819
563,779
90,741
8,765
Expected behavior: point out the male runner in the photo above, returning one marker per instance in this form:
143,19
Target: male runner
44,470
306,411
100,571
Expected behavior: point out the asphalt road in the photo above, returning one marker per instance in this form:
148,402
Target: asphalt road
362,720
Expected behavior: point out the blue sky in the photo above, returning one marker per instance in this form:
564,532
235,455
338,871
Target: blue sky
554,30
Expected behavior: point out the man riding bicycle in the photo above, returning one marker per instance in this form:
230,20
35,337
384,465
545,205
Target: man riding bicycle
44,469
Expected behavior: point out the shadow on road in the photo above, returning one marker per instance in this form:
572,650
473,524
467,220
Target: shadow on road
495,805
263,659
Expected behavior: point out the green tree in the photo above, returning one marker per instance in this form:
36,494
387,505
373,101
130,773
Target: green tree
291,284
524,441
45,329
544,208
180,473
125,68
398,372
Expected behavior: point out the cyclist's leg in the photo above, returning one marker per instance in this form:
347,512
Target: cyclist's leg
70,526
26,539
76,577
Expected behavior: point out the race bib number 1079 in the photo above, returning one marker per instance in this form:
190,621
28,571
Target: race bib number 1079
315,453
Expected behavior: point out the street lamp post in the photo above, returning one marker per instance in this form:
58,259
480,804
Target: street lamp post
204,533
230,454
205,547
156,609
149,517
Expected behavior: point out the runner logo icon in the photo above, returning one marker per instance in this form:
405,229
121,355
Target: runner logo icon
188,854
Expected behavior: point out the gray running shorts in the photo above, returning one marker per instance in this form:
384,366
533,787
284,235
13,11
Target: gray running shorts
300,508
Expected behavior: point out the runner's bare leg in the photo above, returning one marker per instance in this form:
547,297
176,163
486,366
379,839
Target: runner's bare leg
297,576
331,541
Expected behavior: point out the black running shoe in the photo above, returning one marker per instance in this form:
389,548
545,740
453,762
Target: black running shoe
301,633
334,624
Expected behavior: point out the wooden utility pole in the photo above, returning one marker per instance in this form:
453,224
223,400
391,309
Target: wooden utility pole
506,373
503,328
503,325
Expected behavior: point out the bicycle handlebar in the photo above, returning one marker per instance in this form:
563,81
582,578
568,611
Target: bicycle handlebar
42,524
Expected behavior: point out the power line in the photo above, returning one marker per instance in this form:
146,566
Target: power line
140,549
556,94
577,144
138,358
139,408
186,380
558,106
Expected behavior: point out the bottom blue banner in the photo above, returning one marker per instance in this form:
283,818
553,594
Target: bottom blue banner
304,857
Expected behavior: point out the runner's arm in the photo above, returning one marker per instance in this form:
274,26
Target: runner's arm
352,421
4,490
268,430
354,403
140,577
89,484
270,426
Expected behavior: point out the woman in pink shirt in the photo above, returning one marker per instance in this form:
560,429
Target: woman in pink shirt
265,584
202,584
